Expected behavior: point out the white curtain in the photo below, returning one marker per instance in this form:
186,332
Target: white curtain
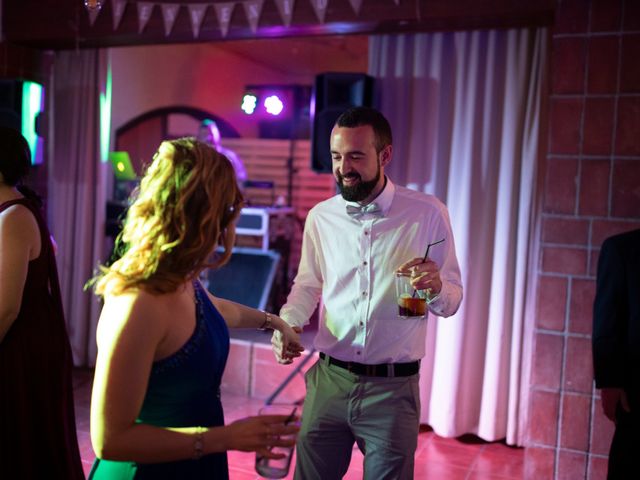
464,108
77,189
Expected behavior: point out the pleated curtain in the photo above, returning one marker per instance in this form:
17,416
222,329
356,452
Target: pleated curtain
465,110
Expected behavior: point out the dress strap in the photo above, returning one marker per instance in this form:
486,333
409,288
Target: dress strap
15,201
197,291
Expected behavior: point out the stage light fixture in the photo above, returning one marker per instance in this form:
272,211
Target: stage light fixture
280,111
268,101
249,103
273,105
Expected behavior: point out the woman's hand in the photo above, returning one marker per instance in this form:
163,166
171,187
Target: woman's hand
259,434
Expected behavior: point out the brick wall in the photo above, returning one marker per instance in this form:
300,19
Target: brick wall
591,191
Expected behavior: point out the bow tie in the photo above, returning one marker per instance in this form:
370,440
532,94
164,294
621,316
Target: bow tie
356,211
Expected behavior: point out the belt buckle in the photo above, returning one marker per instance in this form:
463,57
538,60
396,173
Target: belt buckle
391,371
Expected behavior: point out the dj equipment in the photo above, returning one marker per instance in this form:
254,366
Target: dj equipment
265,223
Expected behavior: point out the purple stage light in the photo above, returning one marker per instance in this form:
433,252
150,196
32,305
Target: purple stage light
273,105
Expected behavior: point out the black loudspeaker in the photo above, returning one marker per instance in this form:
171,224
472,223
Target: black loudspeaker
333,93
21,105
246,278
11,104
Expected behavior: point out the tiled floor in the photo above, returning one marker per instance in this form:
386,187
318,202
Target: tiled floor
437,458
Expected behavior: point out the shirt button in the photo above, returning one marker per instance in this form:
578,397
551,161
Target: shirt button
366,232
364,263
361,324
357,353
364,294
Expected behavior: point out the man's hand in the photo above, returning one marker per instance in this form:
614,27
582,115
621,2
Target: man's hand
286,344
424,275
610,399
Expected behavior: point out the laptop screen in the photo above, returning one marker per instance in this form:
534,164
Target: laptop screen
122,167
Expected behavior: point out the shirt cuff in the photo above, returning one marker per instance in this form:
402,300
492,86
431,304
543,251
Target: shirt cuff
437,305
291,321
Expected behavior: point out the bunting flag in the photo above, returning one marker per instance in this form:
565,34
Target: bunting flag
356,4
196,14
169,15
145,9
223,12
253,9
117,7
93,14
320,7
285,7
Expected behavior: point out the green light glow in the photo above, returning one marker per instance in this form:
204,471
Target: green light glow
105,117
32,100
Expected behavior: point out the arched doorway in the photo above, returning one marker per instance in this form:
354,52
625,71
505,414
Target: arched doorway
142,135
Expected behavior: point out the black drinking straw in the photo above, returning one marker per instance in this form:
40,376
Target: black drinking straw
424,259
426,254
291,417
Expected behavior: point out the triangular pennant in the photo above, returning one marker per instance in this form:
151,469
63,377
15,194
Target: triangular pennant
117,7
356,4
320,7
253,9
145,9
285,7
196,14
93,14
223,12
169,15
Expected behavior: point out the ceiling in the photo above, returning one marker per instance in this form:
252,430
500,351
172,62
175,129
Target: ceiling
305,55
64,24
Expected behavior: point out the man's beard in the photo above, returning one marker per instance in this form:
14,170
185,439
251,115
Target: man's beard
360,190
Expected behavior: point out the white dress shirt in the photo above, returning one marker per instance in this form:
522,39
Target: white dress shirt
351,262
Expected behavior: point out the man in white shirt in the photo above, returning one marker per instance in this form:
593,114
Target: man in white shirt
364,388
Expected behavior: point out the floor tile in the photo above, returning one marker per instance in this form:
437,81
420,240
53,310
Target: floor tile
494,462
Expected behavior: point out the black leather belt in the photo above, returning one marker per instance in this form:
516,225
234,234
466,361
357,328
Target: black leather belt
380,370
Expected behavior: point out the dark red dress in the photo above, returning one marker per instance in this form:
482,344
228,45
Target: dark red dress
37,422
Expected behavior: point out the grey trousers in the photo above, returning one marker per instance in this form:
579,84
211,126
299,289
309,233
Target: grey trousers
381,415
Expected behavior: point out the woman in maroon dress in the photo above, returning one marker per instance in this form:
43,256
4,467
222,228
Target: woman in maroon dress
37,423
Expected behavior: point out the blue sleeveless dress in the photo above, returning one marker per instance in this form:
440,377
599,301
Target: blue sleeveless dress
183,391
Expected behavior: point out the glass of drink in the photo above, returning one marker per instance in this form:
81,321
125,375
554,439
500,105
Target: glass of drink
412,303
277,467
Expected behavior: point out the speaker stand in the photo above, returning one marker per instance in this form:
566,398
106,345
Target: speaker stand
297,370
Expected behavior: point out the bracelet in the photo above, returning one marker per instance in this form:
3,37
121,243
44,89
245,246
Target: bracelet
198,443
266,325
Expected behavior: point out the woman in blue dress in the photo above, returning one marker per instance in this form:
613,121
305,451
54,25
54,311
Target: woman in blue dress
162,338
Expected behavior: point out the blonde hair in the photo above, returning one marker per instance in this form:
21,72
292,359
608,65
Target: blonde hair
185,206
